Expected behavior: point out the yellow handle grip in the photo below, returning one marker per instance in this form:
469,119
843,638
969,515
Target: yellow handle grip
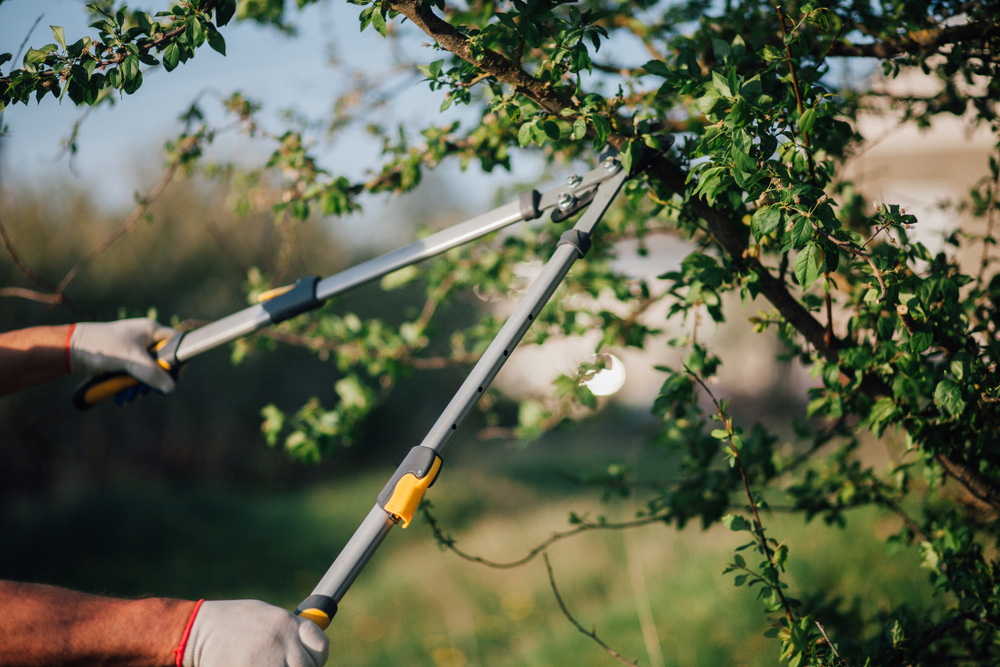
318,608
102,387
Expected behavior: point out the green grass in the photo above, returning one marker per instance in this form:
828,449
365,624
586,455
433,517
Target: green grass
416,604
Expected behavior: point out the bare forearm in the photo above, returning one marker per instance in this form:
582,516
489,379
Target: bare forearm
55,627
32,356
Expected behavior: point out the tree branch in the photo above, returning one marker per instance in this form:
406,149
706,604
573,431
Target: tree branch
491,62
447,542
921,41
562,605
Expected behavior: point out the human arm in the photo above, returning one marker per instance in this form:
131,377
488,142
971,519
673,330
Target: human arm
50,626
54,627
37,354
31,356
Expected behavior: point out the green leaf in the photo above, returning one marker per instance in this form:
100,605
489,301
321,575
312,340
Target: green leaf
57,32
721,85
771,54
657,67
602,127
378,22
224,12
801,232
524,134
215,39
735,522
34,57
631,155
431,70
807,120
752,87
948,396
765,220
171,56
807,264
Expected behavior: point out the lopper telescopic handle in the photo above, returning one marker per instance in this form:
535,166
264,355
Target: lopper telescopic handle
102,387
396,504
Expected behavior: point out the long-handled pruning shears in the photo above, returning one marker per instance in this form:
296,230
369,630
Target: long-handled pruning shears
309,293
591,193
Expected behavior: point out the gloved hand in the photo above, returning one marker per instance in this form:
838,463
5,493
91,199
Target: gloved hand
108,347
250,633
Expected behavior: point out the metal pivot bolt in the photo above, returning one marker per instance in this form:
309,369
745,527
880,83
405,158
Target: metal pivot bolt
566,201
611,165
573,181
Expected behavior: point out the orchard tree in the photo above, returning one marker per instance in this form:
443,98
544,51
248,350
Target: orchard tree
901,342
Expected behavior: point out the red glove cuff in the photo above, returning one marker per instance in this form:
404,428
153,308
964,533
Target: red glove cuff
69,337
179,651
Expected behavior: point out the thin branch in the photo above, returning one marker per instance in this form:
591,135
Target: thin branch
922,41
858,252
133,217
758,524
981,488
832,646
49,296
991,204
798,93
562,605
19,263
449,543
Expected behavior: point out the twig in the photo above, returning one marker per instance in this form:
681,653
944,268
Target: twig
857,252
758,524
133,217
832,646
448,543
798,95
49,296
21,266
562,605
990,220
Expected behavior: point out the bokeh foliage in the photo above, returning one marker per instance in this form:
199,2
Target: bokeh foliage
901,342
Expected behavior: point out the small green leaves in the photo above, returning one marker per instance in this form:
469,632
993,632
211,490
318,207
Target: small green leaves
432,70
539,130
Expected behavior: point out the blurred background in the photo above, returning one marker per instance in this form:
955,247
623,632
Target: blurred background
181,496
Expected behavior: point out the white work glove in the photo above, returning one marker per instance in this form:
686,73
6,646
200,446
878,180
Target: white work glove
108,347
251,633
